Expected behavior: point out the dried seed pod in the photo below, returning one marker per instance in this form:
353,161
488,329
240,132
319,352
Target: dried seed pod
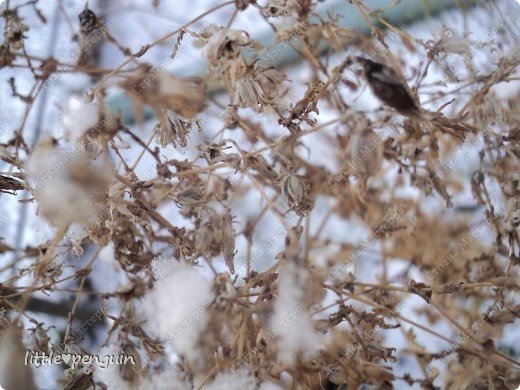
216,236
88,21
258,163
80,381
205,240
510,183
296,193
224,290
256,87
40,339
513,212
190,193
7,183
262,339
14,31
230,117
176,133
276,8
222,43
227,237
365,151
214,153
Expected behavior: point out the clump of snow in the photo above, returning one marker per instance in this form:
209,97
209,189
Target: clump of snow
270,386
176,306
168,379
291,324
69,186
233,380
109,373
79,116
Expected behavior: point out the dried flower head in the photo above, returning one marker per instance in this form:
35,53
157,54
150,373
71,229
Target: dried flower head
220,43
257,87
14,31
276,8
177,131
216,236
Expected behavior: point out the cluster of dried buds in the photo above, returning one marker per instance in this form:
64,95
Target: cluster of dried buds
216,236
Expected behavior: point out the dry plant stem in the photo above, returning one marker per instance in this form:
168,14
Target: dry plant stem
470,335
50,251
405,289
42,263
88,267
361,8
35,91
208,377
494,78
117,322
145,147
375,305
248,154
461,328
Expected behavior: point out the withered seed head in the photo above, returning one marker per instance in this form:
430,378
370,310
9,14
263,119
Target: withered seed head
296,193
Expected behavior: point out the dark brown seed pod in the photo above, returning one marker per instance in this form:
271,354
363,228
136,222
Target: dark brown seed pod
9,184
87,21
